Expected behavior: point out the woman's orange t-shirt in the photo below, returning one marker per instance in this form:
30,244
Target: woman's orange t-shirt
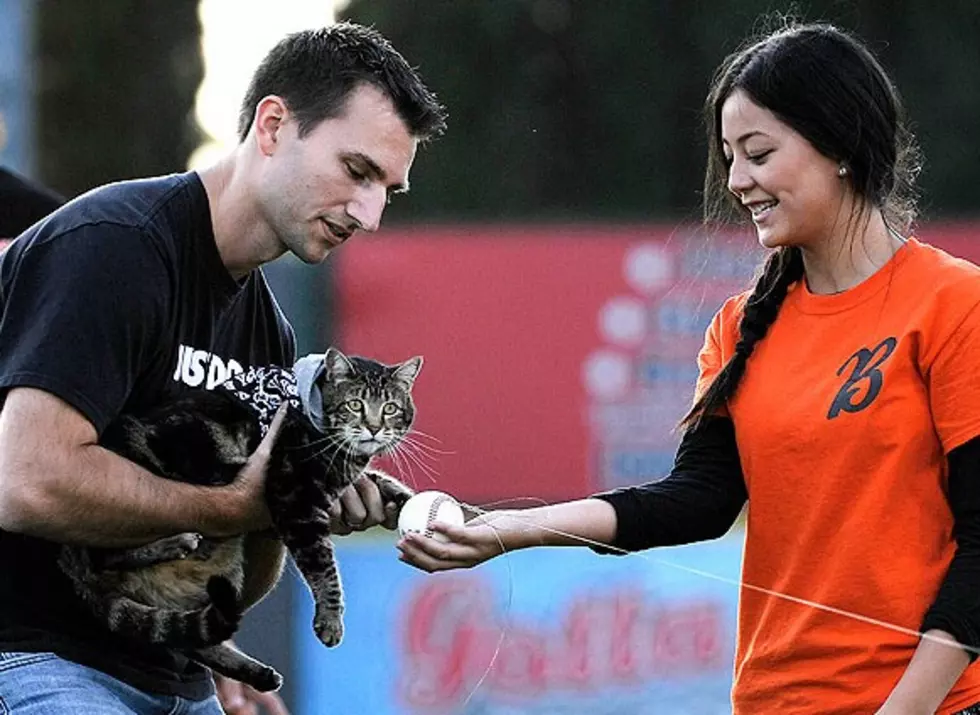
843,419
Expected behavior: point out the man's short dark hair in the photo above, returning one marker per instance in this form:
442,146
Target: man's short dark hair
314,72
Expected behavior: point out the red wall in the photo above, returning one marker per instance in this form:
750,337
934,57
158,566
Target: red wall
512,321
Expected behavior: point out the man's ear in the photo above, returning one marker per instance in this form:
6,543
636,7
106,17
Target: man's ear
270,114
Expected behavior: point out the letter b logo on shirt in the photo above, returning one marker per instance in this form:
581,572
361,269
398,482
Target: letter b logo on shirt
865,377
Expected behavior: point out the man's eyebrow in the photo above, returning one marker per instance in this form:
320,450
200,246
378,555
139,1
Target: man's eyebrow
378,172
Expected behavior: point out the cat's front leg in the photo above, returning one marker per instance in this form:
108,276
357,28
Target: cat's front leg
392,490
307,537
328,620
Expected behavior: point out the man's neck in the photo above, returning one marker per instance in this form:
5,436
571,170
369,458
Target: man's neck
243,239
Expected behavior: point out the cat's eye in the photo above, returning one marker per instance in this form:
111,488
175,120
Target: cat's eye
390,409
356,406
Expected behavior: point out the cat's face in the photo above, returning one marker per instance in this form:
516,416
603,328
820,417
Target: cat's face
367,404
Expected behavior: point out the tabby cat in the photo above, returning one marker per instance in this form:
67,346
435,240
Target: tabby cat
185,591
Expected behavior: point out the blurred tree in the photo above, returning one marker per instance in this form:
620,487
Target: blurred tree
586,110
117,80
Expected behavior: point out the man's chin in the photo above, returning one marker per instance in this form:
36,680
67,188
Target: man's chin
313,255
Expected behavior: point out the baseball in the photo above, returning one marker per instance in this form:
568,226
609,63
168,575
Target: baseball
421,510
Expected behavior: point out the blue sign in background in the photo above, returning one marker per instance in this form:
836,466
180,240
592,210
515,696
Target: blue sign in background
582,633
16,85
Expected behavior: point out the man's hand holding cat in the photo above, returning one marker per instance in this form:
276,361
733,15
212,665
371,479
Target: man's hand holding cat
247,506
360,507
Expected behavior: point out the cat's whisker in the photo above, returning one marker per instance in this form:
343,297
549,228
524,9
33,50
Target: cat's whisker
337,442
410,437
421,457
316,449
404,467
317,442
418,437
394,451
420,433
331,441
426,469
348,455
320,445
420,453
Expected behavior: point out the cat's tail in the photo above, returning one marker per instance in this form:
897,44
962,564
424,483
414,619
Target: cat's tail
200,628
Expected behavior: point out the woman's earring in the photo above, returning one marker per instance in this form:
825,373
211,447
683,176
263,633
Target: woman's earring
842,171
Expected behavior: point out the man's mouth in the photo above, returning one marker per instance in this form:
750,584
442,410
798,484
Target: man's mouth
335,233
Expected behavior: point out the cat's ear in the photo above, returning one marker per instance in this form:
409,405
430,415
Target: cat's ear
407,371
336,366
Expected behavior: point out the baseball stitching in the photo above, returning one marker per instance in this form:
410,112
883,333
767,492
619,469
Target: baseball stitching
433,512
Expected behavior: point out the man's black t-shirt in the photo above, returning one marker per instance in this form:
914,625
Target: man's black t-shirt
114,303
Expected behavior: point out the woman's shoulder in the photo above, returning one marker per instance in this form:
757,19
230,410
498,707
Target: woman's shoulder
945,274
947,293
723,330
731,311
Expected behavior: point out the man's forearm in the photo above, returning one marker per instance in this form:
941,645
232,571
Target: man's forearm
91,496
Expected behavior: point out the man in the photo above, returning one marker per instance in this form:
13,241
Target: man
22,202
140,290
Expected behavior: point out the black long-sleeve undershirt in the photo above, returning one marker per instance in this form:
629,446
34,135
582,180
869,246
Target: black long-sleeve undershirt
705,491
956,609
699,500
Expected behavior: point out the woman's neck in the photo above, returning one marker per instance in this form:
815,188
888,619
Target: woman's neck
835,266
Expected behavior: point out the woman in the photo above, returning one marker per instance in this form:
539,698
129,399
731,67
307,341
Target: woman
838,397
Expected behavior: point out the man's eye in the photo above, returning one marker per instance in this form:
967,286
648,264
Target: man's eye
355,174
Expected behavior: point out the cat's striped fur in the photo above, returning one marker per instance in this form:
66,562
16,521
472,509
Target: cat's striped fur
186,591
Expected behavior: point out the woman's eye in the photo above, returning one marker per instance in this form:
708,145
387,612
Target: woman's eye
760,157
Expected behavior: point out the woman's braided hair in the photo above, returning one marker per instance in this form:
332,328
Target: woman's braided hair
783,268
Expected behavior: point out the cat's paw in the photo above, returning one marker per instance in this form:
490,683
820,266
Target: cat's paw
392,491
329,628
266,680
183,545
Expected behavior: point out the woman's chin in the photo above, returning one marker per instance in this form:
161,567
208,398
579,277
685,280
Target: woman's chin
769,238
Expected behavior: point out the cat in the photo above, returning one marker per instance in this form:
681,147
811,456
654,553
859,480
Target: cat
185,591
